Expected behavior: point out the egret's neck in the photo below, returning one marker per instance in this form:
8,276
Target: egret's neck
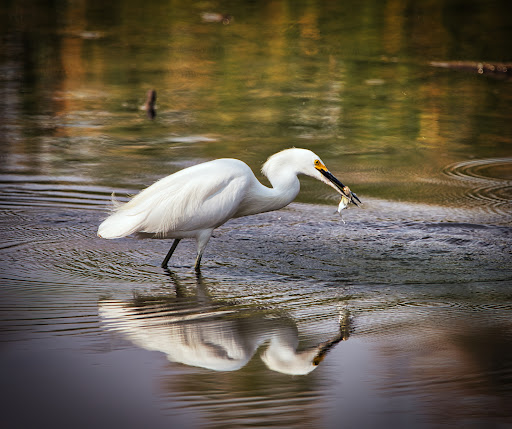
285,188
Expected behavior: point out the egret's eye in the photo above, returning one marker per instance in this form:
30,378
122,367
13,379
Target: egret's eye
317,162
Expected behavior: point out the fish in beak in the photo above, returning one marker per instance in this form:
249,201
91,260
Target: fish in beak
347,196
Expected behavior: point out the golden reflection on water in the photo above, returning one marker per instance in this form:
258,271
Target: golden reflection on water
361,95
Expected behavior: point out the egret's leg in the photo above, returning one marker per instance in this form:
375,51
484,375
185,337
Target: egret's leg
202,241
171,251
197,265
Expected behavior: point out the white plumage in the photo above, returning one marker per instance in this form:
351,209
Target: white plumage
192,202
215,337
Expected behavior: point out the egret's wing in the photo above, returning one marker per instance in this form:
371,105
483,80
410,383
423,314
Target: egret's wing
218,345
199,197
196,205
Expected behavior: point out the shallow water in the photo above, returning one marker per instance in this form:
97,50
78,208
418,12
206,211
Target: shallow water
395,314
421,296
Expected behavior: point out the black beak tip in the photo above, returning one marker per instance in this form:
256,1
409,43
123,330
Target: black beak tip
343,189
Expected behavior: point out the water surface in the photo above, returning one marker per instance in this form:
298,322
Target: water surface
396,314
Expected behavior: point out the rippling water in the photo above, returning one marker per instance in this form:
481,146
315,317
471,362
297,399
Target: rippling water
397,314
488,182
296,318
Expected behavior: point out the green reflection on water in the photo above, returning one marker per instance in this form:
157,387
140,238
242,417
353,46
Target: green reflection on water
351,81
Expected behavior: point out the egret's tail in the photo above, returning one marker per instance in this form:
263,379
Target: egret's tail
122,222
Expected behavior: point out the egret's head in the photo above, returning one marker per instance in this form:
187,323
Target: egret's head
287,361
304,161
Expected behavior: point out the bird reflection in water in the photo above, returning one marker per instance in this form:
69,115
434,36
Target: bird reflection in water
213,334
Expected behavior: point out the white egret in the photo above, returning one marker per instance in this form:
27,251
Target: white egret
194,201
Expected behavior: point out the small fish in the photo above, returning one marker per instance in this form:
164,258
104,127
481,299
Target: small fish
343,203
347,197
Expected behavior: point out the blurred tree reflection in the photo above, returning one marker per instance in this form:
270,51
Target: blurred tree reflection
338,77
